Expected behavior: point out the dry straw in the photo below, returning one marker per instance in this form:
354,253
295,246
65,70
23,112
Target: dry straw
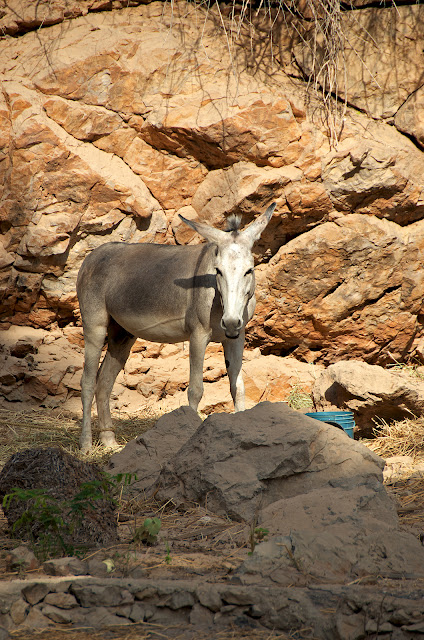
38,428
403,438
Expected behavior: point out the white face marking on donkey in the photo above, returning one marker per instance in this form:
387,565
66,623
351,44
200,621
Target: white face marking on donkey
165,293
235,283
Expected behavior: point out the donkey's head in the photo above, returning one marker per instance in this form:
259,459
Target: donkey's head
233,264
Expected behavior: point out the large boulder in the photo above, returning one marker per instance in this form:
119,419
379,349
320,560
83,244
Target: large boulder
318,303
241,463
344,531
374,394
317,493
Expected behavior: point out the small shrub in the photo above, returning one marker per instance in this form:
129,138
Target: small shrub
148,532
168,558
257,535
49,523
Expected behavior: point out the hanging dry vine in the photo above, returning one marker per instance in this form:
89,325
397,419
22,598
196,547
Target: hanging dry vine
317,27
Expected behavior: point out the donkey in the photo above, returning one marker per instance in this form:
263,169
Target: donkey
166,293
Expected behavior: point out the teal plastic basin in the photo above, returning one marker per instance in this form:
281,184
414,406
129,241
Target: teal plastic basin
343,419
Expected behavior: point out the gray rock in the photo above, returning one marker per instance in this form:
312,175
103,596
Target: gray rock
243,462
350,627
35,620
209,596
61,616
34,593
123,611
6,622
180,599
145,592
397,467
70,566
370,392
318,493
375,626
61,600
19,611
99,568
239,595
147,454
21,558
417,627
99,617
94,595
201,616
141,612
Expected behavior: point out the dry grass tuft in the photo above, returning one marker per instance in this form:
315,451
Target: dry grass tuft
403,438
40,428
410,496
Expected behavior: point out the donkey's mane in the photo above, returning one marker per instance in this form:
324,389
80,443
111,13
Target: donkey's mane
233,223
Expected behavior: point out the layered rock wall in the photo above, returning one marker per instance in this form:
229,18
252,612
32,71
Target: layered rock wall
115,118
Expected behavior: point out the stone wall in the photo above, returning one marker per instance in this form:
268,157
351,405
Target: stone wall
115,118
55,603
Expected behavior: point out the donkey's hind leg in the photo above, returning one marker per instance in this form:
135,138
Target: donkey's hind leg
94,339
118,350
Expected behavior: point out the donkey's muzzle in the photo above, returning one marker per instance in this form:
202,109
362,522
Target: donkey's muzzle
232,328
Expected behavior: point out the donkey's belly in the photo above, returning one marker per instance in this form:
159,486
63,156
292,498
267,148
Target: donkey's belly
156,330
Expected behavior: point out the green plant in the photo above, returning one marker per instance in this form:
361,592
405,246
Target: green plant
148,531
410,368
299,399
41,522
257,535
168,558
49,523
21,567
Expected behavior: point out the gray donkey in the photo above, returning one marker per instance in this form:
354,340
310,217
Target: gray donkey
166,293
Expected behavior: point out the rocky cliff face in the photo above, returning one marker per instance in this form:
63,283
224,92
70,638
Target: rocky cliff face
115,118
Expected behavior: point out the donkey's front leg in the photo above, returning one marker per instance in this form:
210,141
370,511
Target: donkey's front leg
198,343
233,352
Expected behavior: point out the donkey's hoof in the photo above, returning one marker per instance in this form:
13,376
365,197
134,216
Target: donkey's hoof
85,447
107,438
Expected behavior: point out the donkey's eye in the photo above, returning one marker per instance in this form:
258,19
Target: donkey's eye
249,272
218,272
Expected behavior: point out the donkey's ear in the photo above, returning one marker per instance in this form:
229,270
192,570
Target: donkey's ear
209,233
255,228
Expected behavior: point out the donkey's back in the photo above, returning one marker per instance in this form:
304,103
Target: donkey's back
148,289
